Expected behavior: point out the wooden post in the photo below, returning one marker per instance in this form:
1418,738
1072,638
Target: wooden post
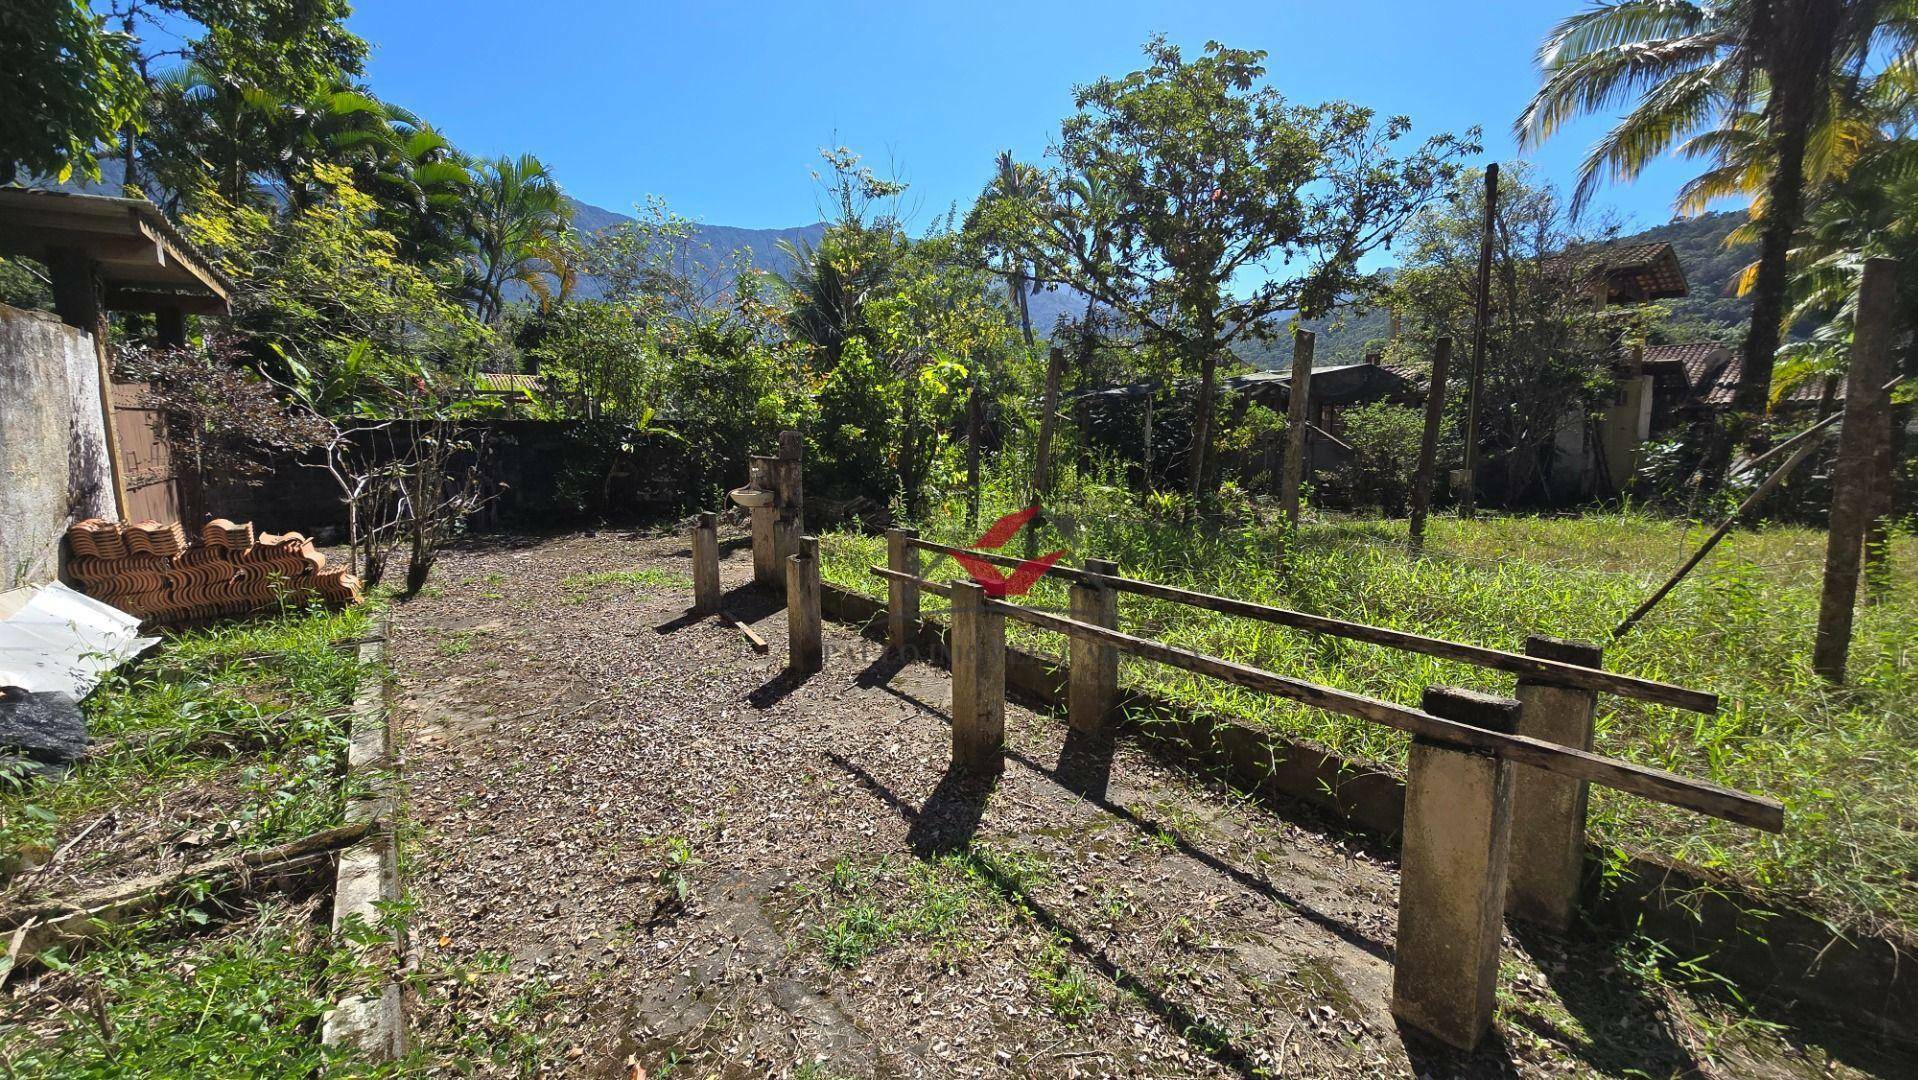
1428,441
1852,496
902,597
789,496
1468,496
978,681
706,564
1458,820
1299,393
767,570
79,298
805,644
1548,809
1092,689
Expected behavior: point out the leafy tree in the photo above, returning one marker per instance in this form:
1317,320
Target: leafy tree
1385,452
69,85
1871,211
254,96
832,282
1749,83
1227,207
519,223
1548,355
321,284
596,358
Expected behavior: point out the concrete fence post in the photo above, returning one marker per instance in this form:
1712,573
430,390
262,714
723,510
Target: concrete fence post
1548,810
902,597
803,627
706,564
978,681
767,568
1092,688
1458,820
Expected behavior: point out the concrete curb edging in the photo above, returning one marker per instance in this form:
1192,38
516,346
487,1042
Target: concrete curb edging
372,1025
1763,943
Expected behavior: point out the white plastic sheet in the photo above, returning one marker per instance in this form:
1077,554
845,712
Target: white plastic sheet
60,639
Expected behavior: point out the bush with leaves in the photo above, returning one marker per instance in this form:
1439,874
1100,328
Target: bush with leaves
319,281
1385,453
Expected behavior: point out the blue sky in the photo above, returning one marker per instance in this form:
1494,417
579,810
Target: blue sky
721,108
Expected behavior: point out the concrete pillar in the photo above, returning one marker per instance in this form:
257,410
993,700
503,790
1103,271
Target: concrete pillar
902,597
706,564
806,646
978,681
768,571
1548,809
1092,689
1458,816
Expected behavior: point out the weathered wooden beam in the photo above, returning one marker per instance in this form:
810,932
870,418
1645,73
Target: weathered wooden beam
1428,440
978,680
705,543
1608,682
1852,496
902,592
1092,690
1298,398
1642,780
804,634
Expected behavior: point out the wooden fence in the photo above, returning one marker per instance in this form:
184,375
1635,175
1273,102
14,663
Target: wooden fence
1496,787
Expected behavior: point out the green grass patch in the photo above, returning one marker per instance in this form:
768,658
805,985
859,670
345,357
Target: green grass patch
246,1002
1844,761
937,903
276,687
580,587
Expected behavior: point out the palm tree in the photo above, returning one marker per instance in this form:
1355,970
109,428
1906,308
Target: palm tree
518,225
1689,68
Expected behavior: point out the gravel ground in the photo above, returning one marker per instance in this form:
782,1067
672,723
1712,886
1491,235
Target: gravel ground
637,849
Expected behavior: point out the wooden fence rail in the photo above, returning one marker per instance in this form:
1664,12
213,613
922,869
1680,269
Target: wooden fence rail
1642,780
1574,675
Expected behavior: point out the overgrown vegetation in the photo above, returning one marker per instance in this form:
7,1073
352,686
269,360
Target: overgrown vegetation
1842,760
230,737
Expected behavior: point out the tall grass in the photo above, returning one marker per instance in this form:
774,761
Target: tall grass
1844,761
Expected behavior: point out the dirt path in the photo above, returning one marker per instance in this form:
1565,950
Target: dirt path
635,843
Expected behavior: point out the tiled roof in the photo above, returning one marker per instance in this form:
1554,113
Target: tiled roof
1713,384
1634,272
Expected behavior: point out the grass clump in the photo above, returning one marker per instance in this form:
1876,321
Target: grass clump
243,1003
1843,760
940,902
580,587
264,701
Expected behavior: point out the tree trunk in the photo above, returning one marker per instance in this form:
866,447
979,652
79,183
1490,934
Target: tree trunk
1199,457
1042,463
1784,204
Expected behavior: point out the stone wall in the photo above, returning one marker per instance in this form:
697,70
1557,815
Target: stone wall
54,468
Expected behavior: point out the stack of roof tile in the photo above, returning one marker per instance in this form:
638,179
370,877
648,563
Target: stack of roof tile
150,570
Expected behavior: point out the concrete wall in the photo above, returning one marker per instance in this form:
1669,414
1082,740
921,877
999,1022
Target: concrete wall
54,468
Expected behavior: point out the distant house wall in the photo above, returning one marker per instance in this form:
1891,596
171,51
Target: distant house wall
54,468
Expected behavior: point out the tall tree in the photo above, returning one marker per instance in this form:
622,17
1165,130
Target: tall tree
1688,67
520,219
69,85
1228,207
